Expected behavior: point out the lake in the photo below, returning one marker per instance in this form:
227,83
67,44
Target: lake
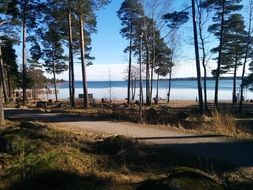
180,90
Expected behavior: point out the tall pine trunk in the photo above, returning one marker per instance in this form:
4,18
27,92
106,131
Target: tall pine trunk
157,89
234,98
129,64
153,60
169,90
54,73
197,57
203,56
2,122
141,90
148,98
82,47
133,88
71,59
2,74
9,83
217,76
24,85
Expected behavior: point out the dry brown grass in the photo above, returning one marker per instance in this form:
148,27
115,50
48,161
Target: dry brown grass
224,124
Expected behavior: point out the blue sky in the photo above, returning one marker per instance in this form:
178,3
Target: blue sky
108,46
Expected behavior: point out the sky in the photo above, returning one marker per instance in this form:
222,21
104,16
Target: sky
108,45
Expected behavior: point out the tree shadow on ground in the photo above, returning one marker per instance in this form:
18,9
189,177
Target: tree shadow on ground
55,180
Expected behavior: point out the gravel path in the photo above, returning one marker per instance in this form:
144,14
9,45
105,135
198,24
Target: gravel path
214,148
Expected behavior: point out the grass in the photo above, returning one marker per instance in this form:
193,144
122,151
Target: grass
60,158
224,124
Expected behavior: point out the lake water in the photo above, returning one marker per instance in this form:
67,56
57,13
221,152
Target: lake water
180,90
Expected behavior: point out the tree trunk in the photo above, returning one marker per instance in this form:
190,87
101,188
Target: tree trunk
205,87
203,56
197,57
84,75
54,73
71,59
24,85
169,90
217,77
157,89
2,75
134,88
234,98
2,122
130,64
154,58
152,80
148,98
141,91
9,83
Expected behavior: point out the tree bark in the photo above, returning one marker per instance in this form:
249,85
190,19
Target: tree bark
154,58
148,98
197,57
54,73
71,59
24,85
203,56
2,122
157,89
9,83
217,77
141,91
2,75
234,98
169,90
84,75
130,63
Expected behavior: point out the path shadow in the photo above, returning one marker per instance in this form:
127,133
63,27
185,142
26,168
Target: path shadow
230,154
180,137
36,115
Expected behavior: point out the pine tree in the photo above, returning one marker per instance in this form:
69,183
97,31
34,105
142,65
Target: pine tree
54,55
27,12
10,65
222,10
129,11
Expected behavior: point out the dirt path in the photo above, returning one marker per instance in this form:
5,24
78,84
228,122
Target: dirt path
214,148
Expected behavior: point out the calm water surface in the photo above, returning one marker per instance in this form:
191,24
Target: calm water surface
181,89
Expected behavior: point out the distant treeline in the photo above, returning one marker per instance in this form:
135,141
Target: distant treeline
208,78
57,80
